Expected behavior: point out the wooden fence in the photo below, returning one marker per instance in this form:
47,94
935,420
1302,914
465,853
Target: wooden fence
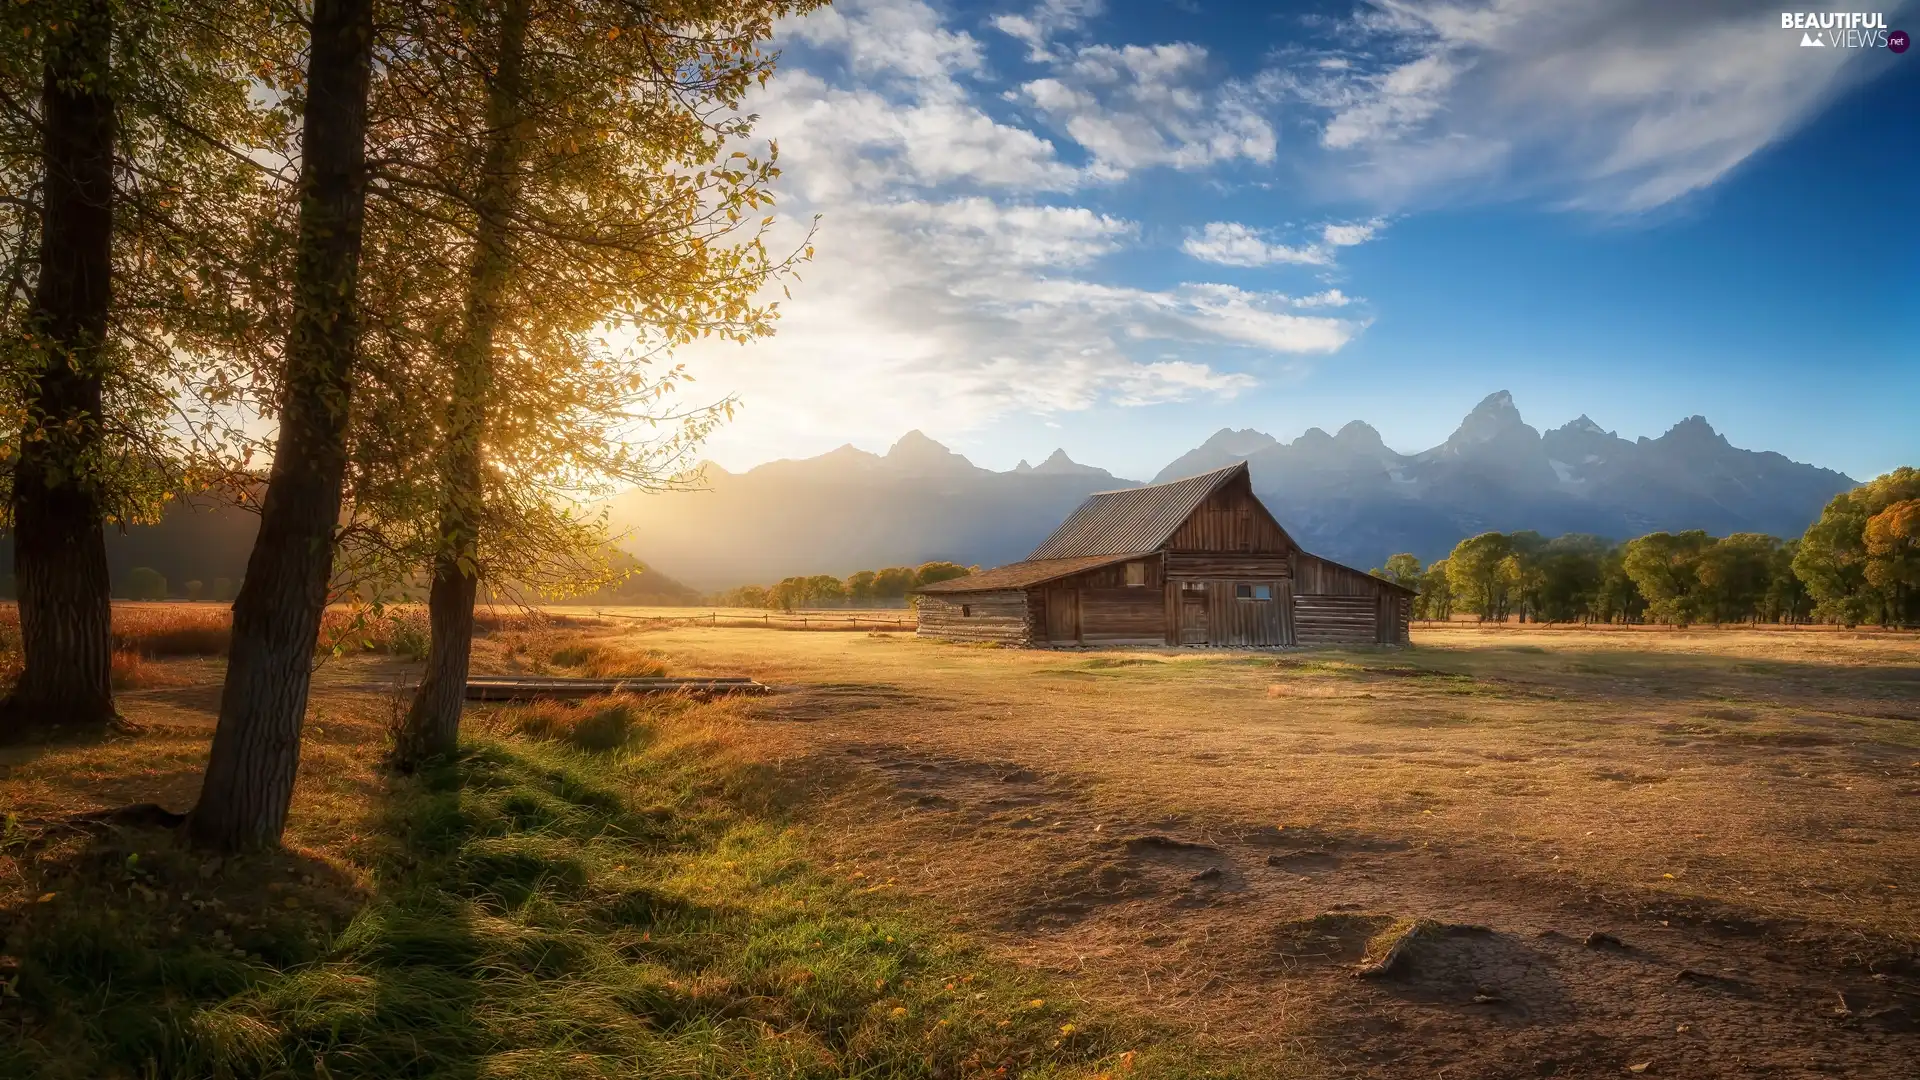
773,621
1628,628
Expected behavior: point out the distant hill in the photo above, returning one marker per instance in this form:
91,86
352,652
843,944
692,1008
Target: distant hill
1344,495
850,510
205,540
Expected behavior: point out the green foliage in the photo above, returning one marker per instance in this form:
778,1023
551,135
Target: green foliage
893,582
823,590
195,590
928,573
1832,557
1401,569
1436,593
1479,575
225,589
1735,574
144,583
1665,567
746,596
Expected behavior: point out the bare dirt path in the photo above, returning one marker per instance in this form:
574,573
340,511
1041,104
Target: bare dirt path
1695,854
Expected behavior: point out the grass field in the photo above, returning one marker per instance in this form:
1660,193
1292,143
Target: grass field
1680,853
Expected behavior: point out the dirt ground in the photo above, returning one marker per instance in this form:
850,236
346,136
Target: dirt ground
1674,854
1682,853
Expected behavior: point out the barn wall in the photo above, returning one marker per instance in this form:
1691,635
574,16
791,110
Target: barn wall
1111,612
1231,520
1338,605
1002,617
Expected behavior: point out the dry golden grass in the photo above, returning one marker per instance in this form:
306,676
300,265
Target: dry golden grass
1543,781
1219,838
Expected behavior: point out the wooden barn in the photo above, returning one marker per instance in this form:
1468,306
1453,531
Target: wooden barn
1197,561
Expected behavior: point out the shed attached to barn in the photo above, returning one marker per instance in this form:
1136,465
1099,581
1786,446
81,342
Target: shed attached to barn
1197,561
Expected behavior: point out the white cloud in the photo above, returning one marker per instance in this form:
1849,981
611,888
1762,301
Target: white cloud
946,289
881,37
1618,107
1330,298
1230,243
1351,234
836,141
1038,27
1137,106
968,310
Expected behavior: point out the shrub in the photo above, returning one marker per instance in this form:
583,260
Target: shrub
145,583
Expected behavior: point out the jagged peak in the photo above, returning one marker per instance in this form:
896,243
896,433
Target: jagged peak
1584,423
915,441
1359,431
1058,457
1494,417
1498,403
1023,467
1693,430
1240,441
1313,435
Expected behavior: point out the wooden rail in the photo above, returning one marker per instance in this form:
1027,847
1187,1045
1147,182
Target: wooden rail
529,687
770,621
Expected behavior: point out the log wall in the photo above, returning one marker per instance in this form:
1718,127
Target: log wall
1338,605
1002,617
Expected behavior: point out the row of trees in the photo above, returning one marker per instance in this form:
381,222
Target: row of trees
1859,563
436,252
146,583
885,586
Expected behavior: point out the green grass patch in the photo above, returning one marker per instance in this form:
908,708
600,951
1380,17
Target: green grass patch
628,902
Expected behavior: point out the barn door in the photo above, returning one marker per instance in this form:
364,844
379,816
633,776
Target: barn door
1194,619
1063,616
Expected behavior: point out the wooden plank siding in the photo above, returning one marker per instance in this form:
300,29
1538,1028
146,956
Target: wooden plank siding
1231,519
1336,604
1337,620
999,617
1099,607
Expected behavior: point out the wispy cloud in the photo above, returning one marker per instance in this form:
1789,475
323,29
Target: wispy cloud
1136,106
1619,107
1230,243
963,271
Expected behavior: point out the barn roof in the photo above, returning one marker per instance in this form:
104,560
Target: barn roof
1021,575
1132,520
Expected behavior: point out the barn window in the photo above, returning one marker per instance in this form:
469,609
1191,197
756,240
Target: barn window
1253,592
966,610
1136,573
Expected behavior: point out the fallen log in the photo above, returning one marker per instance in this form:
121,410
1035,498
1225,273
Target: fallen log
530,687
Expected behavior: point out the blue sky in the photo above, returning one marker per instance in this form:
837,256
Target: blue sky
1118,227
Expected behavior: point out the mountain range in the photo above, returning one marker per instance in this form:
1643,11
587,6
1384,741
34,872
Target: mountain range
1344,495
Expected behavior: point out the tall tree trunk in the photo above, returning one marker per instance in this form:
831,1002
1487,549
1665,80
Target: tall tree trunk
276,619
60,554
433,721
